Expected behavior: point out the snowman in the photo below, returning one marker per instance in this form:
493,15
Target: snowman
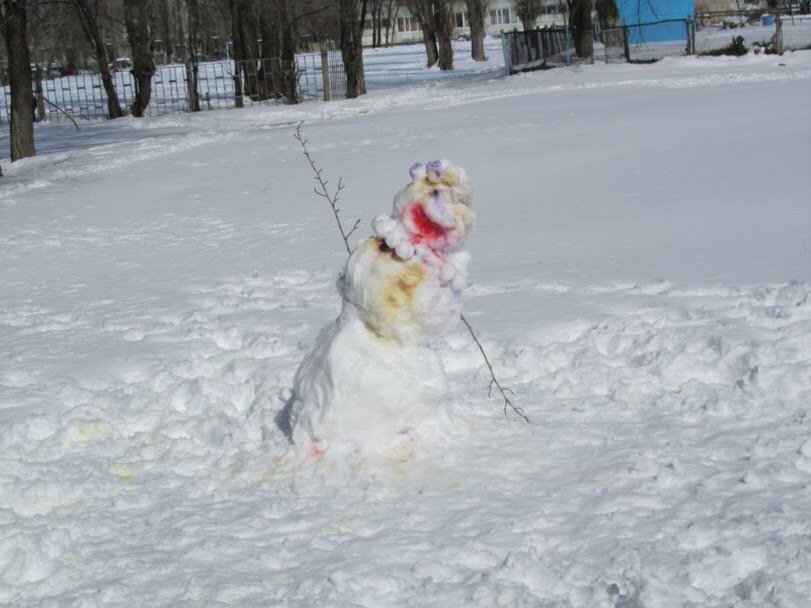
371,375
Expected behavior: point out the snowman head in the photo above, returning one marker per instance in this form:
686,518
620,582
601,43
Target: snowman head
435,207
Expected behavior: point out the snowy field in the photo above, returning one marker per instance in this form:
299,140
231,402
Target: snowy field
641,279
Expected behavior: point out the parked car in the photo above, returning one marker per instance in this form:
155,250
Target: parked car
121,64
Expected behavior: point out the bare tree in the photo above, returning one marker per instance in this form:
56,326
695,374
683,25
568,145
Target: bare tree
423,10
14,21
609,17
436,18
392,7
244,35
528,12
376,14
87,11
580,23
283,21
607,13
476,11
352,16
187,28
143,66
444,19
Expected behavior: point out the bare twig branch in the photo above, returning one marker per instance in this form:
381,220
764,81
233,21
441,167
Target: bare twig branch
493,380
355,227
322,191
64,111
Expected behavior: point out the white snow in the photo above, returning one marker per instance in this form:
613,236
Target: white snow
641,279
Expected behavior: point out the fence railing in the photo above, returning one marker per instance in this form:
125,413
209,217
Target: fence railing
777,33
644,42
647,42
539,48
214,85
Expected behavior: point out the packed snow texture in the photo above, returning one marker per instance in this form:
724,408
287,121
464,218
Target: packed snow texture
641,281
371,378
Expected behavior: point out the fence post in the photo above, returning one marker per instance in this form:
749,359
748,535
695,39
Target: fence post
238,101
40,99
325,74
691,32
191,84
778,35
626,44
507,57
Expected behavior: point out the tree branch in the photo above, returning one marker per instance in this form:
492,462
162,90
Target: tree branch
322,191
493,379
63,110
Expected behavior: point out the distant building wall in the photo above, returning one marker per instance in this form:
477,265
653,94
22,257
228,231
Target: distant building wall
716,5
500,17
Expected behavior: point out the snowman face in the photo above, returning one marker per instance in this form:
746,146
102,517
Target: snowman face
435,207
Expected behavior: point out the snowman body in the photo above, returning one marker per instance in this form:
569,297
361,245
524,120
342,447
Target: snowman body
371,374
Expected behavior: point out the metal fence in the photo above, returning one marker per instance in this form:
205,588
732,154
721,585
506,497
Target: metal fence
715,31
219,85
648,42
537,49
643,42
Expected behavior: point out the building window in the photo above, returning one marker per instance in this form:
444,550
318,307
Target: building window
502,16
460,19
408,24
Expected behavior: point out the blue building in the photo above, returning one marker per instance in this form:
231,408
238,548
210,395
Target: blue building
638,12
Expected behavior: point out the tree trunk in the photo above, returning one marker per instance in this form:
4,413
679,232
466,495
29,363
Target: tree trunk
475,19
166,18
429,39
90,26
40,95
609,17
19,74
607,13
185,23
424,12
287,54
528,12
443,14
392,8
373,5
188,33
580,21
352,17
244,33
143,66
236,49
270,24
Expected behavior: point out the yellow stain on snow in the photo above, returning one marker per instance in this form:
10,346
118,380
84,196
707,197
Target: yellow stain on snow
393,305
91,430
484,450
124,472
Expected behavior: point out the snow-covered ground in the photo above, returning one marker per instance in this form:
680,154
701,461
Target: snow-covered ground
641,279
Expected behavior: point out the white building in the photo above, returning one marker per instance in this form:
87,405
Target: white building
501,17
